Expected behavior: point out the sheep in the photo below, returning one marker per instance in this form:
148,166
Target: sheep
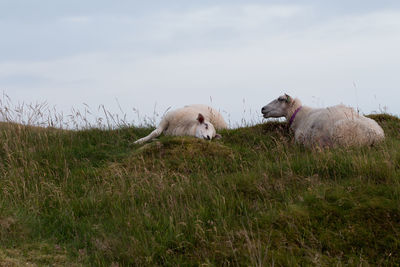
325,127
200,121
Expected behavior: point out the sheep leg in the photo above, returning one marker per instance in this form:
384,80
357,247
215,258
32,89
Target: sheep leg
157,132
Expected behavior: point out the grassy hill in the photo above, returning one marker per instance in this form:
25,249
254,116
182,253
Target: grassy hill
253,198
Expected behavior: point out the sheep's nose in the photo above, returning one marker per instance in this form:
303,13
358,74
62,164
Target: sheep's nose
262,110
208,137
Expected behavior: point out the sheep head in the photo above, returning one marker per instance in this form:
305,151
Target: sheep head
205,129
278,107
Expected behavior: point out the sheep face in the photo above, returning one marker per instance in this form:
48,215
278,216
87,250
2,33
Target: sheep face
204,129
277,108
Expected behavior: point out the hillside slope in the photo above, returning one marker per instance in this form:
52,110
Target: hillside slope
252,198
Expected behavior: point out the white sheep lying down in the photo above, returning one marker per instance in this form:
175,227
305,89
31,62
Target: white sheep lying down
337,125
200,121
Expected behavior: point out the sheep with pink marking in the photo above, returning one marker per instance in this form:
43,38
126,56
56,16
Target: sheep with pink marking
200,121
332,126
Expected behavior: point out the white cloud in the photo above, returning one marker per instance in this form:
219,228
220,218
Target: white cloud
368,26
239,19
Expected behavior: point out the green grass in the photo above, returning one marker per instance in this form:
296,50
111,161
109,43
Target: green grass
253,198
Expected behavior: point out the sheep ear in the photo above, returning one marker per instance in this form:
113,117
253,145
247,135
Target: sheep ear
288,98
218,136
200,118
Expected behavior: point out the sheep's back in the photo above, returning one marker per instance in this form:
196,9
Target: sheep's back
210,114
338,125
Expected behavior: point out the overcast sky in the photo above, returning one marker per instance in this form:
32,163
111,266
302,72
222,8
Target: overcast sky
234,55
